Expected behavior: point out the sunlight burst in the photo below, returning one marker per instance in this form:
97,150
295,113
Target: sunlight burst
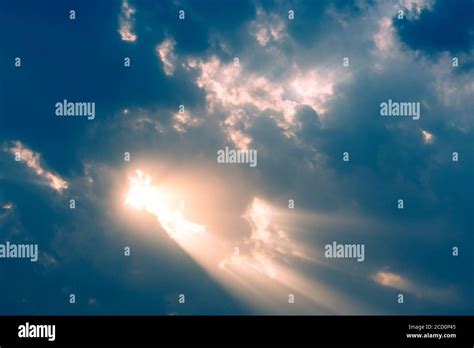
144,196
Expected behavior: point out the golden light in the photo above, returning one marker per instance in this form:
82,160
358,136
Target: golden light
143,195
258,265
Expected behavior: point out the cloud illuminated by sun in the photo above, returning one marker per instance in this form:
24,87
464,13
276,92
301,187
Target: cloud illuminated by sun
144,196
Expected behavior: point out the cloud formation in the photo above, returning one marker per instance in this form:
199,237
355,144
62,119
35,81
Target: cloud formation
289,97
126,22
396,281
166,54
32,160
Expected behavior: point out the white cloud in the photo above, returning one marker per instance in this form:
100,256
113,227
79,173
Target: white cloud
167,56
245,95
126,22
32,160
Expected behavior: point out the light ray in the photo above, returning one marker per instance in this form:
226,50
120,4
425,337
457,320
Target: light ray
263,273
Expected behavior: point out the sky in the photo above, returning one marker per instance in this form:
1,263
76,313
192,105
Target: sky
156,216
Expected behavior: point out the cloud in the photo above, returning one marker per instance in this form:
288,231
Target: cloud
296,105
391,280
7,206
267,245
396,281
32,160
230,86
243,95
269,28
384,38
291,99
167,56
126,22
183,121
268,239
11,226
415,7
428,137
6,210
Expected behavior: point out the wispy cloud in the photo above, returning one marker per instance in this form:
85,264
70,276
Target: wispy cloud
7,206
126,22
268,28
166,54
391,280
397,281
6,209
33,161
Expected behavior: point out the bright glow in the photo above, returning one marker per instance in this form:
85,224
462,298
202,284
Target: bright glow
259,217
144,196
260,268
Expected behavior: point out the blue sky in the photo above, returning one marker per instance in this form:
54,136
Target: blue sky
292,100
